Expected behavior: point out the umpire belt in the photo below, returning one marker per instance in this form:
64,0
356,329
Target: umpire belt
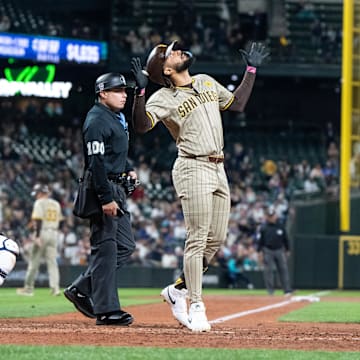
117,179
217,159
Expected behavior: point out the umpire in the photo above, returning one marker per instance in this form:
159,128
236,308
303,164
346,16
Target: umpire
105,134
274,244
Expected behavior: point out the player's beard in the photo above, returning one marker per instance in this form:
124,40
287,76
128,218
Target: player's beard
187,63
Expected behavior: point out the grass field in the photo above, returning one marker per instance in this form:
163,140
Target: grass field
12,306
97,353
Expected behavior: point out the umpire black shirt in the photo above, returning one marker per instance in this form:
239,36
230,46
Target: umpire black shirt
272,236
106,147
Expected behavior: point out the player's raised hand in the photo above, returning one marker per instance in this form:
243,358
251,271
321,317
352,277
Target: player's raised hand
256,55
139,74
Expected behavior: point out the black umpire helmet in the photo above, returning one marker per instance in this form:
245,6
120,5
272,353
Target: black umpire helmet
110,81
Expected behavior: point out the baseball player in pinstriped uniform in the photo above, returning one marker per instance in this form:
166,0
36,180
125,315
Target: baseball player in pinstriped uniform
189,106
46,217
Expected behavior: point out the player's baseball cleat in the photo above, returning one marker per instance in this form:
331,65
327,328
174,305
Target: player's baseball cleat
80,301
55,292
197,318
25,291
120,318
177,301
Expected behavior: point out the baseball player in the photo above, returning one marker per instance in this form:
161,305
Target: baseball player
46,217
190,106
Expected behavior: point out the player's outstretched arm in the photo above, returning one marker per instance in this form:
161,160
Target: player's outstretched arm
140,121
253,59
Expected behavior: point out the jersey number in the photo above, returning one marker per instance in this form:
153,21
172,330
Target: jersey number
51,215
95,147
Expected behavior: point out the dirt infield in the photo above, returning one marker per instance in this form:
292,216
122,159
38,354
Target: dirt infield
154,326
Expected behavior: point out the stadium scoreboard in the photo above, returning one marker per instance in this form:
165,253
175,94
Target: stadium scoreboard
52,49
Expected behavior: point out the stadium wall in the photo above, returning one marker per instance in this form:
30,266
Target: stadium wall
130,276
322,256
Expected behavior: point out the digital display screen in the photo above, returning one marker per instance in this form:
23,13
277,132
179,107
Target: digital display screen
52,49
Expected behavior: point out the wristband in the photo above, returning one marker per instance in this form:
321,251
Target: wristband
141,92
251,69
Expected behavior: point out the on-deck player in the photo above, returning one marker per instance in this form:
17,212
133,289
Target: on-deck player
190,106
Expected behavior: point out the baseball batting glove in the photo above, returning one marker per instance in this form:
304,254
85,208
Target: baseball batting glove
256,55
139,74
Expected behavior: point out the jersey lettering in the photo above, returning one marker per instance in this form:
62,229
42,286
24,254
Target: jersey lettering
190,104
95,147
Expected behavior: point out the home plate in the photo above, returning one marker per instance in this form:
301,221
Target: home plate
306,298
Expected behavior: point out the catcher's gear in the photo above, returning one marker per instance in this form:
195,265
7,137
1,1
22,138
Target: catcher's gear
110,81
40,188
256,55
9,250
140,75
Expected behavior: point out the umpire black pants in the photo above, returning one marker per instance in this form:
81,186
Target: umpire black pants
276,259
112,243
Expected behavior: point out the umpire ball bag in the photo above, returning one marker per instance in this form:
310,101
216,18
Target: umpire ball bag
86,204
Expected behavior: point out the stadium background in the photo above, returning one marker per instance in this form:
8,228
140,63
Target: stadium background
283,150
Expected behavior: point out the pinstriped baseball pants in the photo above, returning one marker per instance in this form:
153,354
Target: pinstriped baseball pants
205,198
48,250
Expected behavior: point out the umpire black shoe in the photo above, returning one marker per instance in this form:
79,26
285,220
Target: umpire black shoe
80,301
119,318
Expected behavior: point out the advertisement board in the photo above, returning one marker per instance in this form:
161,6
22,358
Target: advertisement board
52,49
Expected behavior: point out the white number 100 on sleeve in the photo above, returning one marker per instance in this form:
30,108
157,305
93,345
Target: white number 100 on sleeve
95,147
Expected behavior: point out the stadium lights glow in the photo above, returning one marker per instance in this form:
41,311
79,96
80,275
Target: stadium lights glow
56,89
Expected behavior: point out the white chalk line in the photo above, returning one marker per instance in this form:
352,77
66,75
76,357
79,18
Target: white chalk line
312,298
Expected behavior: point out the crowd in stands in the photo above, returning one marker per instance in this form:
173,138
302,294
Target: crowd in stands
313,34
308,35
21,18
157,218
215,35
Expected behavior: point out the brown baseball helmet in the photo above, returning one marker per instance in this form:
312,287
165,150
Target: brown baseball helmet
155,63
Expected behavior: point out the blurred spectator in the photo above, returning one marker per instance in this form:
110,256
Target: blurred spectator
333,152
305,10
355,169
134,43
235,274
5,23
169,260
311,186
223,12
268,168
